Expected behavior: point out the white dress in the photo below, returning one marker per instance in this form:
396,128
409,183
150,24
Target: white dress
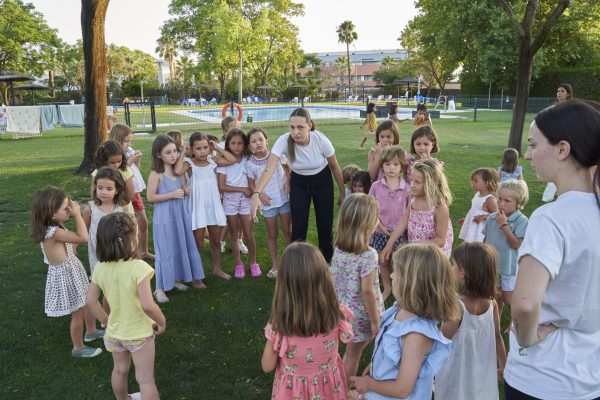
97,214
205,201
471,371
471,231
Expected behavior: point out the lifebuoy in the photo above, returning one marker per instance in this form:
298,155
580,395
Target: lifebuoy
237,106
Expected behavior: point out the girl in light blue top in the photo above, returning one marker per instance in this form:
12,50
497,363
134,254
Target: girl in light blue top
409,348
510,168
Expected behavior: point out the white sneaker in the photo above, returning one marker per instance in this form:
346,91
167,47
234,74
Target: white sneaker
161,296
222,247
243,248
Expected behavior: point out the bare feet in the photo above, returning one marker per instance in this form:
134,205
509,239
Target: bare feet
180,286
198,284
221,274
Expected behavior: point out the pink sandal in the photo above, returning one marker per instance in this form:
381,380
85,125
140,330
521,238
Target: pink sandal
255,270
239,271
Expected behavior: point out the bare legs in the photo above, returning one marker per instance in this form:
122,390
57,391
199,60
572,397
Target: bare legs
352,358
286,223
143,360
142,221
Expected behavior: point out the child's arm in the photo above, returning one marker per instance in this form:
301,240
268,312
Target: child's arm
130,188
415,348
489,206
337,175
153,197
367,293
269,358
181,168
449,328
441,215
224,187
87,217
512,240
264,198
225,158
500,349
134,159
80,236
398,231
93,306
373,164
149,306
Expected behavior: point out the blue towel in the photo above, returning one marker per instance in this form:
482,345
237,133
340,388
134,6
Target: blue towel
49,116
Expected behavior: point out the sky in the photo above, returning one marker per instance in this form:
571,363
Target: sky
136,23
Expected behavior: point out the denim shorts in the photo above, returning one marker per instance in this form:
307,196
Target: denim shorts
118,346
275,211
235,203
507,282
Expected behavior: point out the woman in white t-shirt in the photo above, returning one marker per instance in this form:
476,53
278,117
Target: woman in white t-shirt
311,157
555,344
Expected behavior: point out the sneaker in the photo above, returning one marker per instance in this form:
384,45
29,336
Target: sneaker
272,273
222,247
90,337
239,271
243,248
86,352
255,270
161,296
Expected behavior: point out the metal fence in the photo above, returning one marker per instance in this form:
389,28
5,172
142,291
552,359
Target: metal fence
534,104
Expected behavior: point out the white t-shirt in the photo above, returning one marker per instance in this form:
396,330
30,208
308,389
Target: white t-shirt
236,174
310,159
564,236
275,188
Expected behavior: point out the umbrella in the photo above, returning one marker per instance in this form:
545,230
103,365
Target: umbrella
10,78
299,86
31,87
408,80
264,88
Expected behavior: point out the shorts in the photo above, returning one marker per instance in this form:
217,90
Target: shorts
118,346
275,211
507,282
138,203
235,203
380,240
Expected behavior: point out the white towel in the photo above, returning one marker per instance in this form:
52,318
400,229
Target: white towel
71,115
23,119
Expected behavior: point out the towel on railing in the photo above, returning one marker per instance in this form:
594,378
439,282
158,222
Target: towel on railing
70,115
49,115
23,119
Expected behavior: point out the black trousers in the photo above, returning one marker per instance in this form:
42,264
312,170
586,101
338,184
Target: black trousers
317,188
510,393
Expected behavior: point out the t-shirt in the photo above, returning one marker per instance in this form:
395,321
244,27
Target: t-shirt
310,159
563,236
275,188
236,174
119,282
507,255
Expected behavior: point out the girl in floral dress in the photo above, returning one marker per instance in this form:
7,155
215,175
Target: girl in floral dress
305,327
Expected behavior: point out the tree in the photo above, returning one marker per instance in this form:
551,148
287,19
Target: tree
347,34
70,66
167,49
93,14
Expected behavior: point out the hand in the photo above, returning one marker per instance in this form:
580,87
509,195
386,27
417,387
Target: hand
158,329
136,156
186,189
341,198
247,192
385,253
385,230
177,194
213,145
545,330
264,199
74,208
460,221
501,217
374,329
479,218
360,383
254,204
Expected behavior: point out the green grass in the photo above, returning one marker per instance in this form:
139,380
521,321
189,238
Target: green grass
213,343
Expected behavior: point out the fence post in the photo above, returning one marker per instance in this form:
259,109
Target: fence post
127,114
475,109
153,116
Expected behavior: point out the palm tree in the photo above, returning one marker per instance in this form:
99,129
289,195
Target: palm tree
346,34
167,49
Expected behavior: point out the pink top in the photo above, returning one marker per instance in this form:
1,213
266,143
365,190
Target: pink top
421,228
311,367
392,203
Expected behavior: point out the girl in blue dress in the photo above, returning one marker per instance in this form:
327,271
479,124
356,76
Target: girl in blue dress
409,348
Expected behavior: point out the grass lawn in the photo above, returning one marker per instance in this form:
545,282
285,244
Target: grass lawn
213,342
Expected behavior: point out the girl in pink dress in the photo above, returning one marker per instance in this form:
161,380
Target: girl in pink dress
427,218
305,327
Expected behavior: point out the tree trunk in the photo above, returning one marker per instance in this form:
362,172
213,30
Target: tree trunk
348,61
93,13
521,96
51,82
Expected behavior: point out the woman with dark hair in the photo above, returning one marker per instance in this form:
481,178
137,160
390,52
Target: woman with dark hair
311,157
555,343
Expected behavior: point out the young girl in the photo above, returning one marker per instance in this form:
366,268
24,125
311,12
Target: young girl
371,123
422,117
134,318
427,217
479,355
409,348
360,182
485,182
275,200
205,200
354,268
110,153
347,172
123,135
109,196
387,134
423,143
177,257
505,230
306,325
393,114
67,282
233,183
510,168
392,194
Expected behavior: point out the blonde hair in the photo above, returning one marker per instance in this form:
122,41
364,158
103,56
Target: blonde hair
519,190
119,132
358,218
348,171
305,302
435,182
423,283
177,138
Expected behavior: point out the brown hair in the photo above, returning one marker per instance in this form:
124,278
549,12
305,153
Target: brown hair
233,133
116,237
108,149
254,131
225,122
298,112
388,125
159,143
510,160
479,263
391,152
114,175
363,178
357,220
177,138
423,283
490,176
45,204
348,171
119,132
305,302
428,132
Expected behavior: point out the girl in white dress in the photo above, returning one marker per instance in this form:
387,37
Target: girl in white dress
479,356
206,208
485,182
